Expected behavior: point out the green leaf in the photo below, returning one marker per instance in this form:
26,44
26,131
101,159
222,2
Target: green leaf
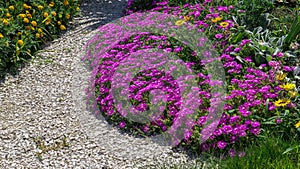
269,58
291,149
294,31
267,105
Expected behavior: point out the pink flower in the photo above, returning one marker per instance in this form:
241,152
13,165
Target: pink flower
122,124
197,13
231,152
221,144
278,120
241,154
219,36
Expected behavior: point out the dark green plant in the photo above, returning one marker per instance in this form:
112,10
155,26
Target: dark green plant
294,31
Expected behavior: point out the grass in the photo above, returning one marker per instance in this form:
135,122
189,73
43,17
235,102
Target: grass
267,154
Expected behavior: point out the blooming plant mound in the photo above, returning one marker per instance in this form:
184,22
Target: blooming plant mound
261,96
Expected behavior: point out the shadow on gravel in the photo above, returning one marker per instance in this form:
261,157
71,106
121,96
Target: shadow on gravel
99,12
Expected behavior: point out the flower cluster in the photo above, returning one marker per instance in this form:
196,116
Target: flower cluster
26,25
253,91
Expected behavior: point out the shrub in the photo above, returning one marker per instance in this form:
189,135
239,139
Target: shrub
27,24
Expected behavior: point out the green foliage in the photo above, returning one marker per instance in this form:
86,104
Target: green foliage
294,31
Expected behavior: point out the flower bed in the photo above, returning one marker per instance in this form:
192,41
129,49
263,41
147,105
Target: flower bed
25,25
260,76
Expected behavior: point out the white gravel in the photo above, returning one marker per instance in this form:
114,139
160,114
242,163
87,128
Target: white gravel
45,104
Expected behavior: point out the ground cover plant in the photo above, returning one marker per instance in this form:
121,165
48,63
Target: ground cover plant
25,25
260,56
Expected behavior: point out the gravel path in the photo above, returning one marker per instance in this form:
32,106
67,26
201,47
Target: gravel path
43,120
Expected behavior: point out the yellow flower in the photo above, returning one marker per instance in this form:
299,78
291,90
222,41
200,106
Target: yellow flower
52,4
11,8
68,16
288,86
40,7
58,23
297,125
1,36
6,43
32,28
27,27
217,19
77,9
25,20
214,20
8,15
293,94
53,13
186,18
179,22
19,33
38,35
20,42
29,15
282,103
33,23
25,6
280,76
62,27
5,22
66,2
46,14
40,30
22,15
224,24
48,21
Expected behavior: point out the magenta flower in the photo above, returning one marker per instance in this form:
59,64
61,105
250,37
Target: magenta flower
227,129
196,14
255,124
177,49
221,144
231,152
122,124
278,120
218,132
219,36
